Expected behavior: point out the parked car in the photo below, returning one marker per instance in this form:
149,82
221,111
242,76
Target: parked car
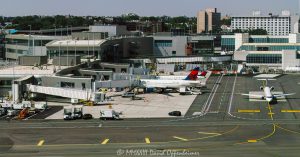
87,116
175,113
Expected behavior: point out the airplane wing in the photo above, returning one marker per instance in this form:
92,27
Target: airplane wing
282,95
253,95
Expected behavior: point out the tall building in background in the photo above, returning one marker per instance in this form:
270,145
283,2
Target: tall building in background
208,20
274,24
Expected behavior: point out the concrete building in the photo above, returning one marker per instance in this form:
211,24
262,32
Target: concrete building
111,30
166,45
273,24
2,45
269,52
232,43
110,49
26,45
208,20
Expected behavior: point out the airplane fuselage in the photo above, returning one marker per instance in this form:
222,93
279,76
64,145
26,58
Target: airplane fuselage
268,94
169,83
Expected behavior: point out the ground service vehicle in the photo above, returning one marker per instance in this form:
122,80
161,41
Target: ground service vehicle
109,114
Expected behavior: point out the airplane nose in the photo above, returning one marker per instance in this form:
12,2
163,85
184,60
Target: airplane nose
269,99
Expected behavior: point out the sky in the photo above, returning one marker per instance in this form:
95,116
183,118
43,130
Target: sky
142,7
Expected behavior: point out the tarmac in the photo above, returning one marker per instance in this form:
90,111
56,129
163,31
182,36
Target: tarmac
153,105
225,124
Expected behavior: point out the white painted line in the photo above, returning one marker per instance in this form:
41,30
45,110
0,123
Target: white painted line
180,138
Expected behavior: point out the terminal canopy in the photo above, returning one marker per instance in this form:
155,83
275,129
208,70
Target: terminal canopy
72,44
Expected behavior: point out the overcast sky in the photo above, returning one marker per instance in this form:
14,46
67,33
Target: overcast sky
142,7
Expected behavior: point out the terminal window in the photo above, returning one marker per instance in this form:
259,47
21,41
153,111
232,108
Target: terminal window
264,58
163,43
67,85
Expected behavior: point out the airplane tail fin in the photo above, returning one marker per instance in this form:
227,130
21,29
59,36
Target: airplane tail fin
208,73
203,73
193,75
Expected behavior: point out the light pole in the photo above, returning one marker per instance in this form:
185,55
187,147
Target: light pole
59,55
68,53
88,44
71,29
93,45
42,45
60,32
67,30
13,83
55,30
6,42
75,53
29,39
16,50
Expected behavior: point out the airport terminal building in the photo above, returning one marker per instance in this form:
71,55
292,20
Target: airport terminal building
273,52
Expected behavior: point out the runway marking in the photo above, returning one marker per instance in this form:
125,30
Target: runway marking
41,142
291,111
269,135
270,112
147,140
252,141
105,141
288,130
180,138
209,133
248,111
223,94
209,100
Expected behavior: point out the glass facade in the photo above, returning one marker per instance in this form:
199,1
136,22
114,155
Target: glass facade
269,47
163,43
268,40
228,44
25,42
264,58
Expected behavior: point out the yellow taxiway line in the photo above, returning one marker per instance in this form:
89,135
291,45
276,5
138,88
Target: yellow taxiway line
248,111
252,141
270,112
147,140
105,141
41,142
291,111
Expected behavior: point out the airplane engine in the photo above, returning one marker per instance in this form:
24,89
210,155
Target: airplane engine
272,88
261,88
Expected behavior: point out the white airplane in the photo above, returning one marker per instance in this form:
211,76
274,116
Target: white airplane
189,81
268,96
203,75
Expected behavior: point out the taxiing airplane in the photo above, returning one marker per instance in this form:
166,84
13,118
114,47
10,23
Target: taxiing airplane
268,95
